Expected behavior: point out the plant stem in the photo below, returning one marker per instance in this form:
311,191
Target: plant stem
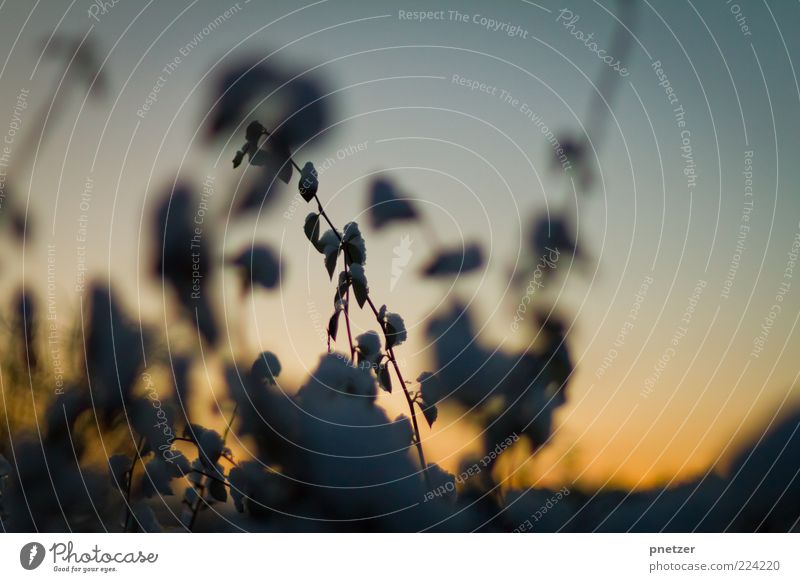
199,491
129,484
201,485
393,360
209,476
230,423
347,316
415,424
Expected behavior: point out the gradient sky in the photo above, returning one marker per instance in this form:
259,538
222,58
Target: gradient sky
481,170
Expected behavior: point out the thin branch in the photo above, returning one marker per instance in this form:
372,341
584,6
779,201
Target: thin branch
415,424
129,485
393,360
409,400
347,315
209,476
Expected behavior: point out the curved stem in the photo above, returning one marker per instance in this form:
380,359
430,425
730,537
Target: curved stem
230,423
209,476
129,484
347,316
392,359
409,400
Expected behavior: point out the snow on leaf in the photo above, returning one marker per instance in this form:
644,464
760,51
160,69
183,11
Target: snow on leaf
455,261
395,330
386,205
369,346
330,245
360,286
209,444
177,462
157,478
266,368
354,245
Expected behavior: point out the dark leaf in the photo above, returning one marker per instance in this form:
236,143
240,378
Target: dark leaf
430,387
157,478
455,261
217,490
118,466
183,261
311,228
341,290
385,205
259,265
331,256
333,324
210,446
308,182
238,481
430,411
554,235
385,378
360,287
266,368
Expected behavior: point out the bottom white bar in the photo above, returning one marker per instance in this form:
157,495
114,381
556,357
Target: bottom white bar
356,557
